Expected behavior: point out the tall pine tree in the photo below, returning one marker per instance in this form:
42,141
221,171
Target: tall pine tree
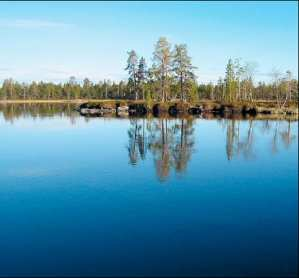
183,69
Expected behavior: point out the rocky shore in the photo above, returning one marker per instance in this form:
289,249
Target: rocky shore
138,108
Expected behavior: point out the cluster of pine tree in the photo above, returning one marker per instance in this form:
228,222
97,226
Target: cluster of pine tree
171,76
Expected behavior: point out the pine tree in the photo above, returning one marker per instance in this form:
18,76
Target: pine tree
141,75
162,65
132,68
230,80
183,69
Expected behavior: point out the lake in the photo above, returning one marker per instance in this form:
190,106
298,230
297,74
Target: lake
155,196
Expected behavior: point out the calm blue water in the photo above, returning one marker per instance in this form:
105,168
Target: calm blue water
147,197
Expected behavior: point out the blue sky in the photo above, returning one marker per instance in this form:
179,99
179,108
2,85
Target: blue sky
53,40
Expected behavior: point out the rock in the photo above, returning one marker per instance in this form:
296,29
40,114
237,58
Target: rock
94,109
173,110
138,109
195,110
123,108
122,111
91,112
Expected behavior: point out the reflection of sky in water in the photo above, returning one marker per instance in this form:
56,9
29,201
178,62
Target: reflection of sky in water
34,171
30,172
185,197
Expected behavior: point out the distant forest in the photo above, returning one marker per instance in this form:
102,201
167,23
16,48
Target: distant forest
171,76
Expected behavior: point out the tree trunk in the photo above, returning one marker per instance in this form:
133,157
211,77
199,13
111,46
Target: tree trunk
181,83
163,89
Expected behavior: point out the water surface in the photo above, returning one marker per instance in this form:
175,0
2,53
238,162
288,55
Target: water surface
113,196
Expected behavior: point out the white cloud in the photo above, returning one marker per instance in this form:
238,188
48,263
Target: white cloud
32,24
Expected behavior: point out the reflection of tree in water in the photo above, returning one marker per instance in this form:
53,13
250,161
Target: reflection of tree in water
266,127
160,141
170,142
235,145
136,133
13,111
184,145
275,138
287,136
232,138
244,145
284,130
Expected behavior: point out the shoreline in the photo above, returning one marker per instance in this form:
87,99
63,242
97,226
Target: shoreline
264,109
258,107
261,102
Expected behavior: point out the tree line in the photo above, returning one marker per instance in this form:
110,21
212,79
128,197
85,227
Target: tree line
171,76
